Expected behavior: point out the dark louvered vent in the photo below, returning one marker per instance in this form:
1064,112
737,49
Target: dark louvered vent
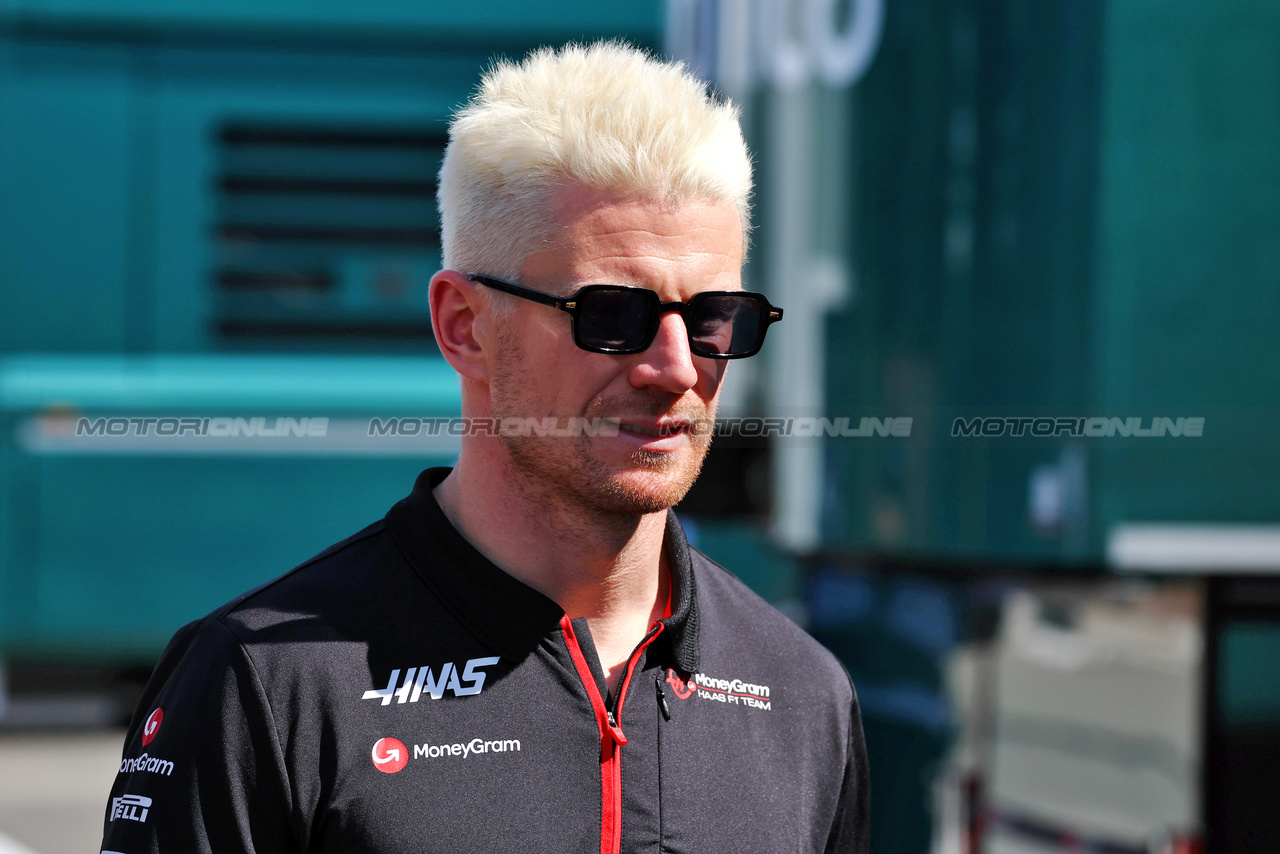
326,237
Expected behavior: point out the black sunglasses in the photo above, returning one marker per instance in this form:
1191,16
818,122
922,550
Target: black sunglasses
620,319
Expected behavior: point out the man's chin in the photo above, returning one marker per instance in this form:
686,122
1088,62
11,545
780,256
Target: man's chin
649,487
622,500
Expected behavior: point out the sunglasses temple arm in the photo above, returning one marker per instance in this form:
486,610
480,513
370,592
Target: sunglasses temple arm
523,292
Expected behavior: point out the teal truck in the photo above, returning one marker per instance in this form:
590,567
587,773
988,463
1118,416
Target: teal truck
221,212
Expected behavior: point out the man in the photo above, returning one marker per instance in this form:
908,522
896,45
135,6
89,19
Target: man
525,655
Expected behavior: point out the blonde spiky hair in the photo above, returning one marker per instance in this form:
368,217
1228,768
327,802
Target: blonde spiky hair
607,116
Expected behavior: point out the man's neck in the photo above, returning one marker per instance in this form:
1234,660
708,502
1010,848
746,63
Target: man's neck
610,569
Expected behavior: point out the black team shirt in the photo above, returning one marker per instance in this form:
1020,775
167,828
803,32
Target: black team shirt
401,693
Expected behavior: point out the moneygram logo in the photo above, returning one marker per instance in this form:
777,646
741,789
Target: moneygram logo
390,755
152,726
733,692
683,687
417,680
474,747
149,764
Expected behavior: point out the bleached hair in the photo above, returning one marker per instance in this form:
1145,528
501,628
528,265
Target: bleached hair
606,116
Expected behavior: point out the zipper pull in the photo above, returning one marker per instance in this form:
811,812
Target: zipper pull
662,699
614,730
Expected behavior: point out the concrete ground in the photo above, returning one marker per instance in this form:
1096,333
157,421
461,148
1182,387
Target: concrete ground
53,789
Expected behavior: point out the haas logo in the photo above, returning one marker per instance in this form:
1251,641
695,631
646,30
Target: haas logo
684,688
152,726
463,682
390,755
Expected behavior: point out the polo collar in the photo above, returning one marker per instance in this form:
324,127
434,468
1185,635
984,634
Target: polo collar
506,614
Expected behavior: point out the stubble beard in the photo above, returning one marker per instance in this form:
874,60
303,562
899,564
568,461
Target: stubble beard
561,467
568,470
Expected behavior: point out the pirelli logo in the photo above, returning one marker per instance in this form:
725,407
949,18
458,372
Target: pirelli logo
131,807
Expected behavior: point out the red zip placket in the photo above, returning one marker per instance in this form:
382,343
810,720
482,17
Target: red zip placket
611,735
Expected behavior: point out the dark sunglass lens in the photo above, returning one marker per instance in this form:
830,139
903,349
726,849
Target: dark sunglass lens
726,324
616,318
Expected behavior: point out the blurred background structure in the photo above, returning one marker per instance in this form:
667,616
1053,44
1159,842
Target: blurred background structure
1027,249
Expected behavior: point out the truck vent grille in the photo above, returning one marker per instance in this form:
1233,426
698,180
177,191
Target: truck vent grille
326,237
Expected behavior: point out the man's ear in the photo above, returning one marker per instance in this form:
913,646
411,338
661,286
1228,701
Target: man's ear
457,315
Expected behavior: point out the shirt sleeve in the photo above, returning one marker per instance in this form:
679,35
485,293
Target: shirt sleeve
202,768
850,831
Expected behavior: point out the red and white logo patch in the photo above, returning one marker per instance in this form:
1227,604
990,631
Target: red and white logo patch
152,726
731,692
684,688
390,755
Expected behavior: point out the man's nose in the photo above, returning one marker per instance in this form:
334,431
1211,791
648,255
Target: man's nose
668,363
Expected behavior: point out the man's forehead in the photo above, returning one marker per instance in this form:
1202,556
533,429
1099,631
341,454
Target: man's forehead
624,237
572,203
